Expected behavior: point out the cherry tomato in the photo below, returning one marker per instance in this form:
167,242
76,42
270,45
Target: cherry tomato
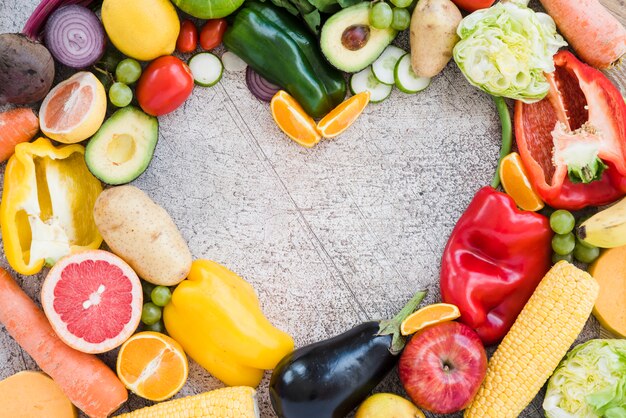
212,33
187,37
473,5
164,85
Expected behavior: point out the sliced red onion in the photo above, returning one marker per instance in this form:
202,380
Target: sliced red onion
260,87
36,21
75,36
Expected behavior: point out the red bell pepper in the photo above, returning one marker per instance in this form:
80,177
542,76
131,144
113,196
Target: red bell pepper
573,142
493,261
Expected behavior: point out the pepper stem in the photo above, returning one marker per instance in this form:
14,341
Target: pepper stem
507,136
392,326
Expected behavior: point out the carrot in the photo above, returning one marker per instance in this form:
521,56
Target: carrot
16,126
84,378
594,33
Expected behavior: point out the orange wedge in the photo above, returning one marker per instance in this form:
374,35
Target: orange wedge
343,116
516,183
293,120
427,316
152,365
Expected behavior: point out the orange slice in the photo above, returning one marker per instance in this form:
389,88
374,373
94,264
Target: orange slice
343,116
152,365
429,315
293,120
516,183
73,110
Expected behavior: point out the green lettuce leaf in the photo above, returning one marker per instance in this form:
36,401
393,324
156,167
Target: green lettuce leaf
590,382
506,49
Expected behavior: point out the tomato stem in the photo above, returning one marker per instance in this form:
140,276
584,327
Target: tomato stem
507,136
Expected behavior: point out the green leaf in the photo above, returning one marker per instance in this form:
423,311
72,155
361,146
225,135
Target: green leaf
286,4
348,3
325,6
313,20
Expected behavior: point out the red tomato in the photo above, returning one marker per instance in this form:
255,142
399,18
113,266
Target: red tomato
187,37
473,5
164,85
212,33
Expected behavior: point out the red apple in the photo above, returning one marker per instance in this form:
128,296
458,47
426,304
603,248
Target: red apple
443,366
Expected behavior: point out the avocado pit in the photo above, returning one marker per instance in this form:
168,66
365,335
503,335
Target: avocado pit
355,37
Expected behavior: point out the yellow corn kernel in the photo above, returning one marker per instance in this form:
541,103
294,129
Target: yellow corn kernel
543,332
231,402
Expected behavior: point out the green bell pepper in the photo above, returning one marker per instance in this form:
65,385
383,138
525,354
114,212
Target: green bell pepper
282,50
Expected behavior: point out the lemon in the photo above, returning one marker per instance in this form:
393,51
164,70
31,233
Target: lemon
74,110
141,29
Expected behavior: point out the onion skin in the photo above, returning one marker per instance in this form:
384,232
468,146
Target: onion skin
75,36
259,86
37,20
26,69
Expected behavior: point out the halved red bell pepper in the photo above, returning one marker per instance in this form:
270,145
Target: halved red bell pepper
573,142
495,258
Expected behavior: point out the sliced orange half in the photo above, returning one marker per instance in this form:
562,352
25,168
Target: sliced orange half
293,120
343,116
152,365
517,184
427,316
74,110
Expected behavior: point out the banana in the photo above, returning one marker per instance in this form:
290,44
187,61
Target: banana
607,228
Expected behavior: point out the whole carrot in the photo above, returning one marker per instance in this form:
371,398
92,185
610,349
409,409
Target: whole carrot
16,125
594,33
84,378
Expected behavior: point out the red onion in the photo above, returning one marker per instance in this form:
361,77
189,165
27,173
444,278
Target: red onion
75,36
260,87
37,20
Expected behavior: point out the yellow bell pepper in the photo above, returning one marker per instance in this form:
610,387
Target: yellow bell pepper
47,205
215,315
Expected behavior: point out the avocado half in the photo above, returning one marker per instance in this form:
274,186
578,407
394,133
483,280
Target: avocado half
123,146
348,41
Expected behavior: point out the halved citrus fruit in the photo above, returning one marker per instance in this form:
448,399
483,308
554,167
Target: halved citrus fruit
73,110
293,120
429,315
93,300
517,184
152,365
343,116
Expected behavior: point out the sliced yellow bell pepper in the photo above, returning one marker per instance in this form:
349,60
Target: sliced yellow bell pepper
215,315
47,205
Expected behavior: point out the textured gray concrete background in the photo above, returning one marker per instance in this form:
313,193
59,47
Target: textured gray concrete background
328,237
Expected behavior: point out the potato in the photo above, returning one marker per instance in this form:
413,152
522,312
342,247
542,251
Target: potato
433,35
143,234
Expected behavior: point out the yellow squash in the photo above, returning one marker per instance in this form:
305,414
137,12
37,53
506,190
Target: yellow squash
215,315
47,205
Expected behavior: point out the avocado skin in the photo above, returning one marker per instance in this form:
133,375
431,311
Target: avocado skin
279,47
341,57
132,121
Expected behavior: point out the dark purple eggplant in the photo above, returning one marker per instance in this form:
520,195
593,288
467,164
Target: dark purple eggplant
328,379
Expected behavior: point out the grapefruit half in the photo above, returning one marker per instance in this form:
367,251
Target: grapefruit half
93,300
74,110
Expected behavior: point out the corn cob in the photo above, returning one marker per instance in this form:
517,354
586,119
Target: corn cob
543,332
232,402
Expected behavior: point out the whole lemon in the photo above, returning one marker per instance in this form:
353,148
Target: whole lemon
141,29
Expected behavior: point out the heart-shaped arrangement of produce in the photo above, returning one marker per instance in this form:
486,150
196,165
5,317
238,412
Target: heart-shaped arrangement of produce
90,87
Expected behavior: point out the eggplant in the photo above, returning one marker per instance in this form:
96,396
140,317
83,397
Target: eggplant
330,378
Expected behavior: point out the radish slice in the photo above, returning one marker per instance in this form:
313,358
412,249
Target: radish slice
260,87
232,63
75,36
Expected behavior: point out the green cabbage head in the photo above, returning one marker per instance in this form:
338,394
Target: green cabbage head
505,50
590,382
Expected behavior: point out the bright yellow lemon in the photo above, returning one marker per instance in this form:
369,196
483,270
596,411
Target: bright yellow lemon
141,29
